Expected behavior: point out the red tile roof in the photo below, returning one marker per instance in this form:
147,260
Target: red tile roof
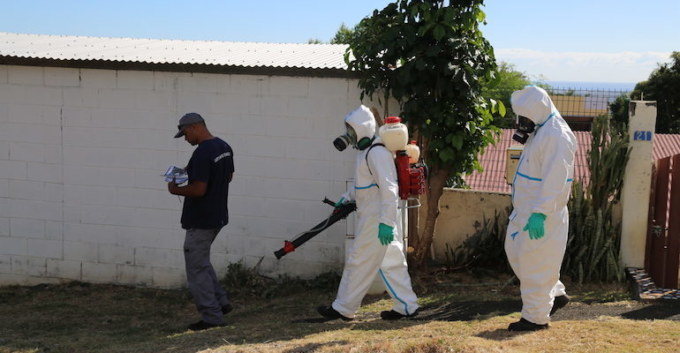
494,158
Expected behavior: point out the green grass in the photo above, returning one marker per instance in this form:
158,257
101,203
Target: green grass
461,314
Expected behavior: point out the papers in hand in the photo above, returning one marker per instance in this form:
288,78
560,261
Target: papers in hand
179,174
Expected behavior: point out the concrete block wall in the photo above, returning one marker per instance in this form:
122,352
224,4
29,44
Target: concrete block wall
461,214
81,157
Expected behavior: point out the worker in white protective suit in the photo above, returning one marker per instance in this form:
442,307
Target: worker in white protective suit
378,246
537,231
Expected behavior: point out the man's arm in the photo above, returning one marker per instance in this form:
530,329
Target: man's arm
193,189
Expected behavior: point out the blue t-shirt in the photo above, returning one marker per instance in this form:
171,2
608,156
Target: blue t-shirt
213,163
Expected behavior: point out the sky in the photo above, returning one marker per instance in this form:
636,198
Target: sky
620,41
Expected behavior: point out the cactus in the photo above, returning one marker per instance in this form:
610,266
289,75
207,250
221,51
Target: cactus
593,246
484,249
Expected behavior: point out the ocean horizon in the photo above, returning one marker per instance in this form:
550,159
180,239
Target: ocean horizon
583,85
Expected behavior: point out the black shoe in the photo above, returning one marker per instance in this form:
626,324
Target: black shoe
394,315
202,325
559,303
329,313
525,325
226,309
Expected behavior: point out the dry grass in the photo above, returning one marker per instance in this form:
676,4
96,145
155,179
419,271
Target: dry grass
101,318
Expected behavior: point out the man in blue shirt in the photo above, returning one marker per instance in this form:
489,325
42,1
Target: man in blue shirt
204,213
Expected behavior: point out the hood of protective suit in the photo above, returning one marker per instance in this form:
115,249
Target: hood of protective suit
362,121
532,102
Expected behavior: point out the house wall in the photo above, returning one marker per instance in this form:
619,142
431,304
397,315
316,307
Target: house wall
81,157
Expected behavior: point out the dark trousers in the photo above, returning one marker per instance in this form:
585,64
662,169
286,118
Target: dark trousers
204,287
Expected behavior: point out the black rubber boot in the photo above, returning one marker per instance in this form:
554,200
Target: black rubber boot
525,325
394,315
202,325
329,313
226,309
559,303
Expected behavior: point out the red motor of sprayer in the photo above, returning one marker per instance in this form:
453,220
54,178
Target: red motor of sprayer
411,176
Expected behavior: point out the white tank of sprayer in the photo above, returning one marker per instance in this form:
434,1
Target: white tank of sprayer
394,134
413,152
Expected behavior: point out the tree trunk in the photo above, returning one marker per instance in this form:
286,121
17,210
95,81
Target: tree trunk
436,183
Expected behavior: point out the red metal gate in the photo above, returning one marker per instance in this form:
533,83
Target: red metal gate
662,258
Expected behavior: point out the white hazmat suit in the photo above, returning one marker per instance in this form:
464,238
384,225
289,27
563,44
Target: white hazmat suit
376,195
541,185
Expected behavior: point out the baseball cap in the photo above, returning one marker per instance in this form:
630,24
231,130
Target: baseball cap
188,119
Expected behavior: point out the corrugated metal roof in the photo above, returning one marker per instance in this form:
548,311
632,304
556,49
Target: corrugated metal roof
159,51
494,159
666,145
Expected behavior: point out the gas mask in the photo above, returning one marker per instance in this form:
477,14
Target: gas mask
524,127
349,138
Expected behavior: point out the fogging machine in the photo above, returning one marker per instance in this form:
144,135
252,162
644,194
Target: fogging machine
338,213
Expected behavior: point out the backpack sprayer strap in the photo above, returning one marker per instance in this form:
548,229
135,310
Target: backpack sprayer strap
369,150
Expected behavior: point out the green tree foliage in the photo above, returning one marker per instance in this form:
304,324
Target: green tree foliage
619,110
662,86
507,80
343,35
433,59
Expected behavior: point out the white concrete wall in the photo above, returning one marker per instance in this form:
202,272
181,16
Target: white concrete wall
81,157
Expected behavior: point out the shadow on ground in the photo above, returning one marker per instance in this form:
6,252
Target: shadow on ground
469,310
630,310
475,310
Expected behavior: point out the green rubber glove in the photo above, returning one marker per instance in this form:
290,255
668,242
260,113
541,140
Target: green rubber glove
535,226
385,234
340,202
